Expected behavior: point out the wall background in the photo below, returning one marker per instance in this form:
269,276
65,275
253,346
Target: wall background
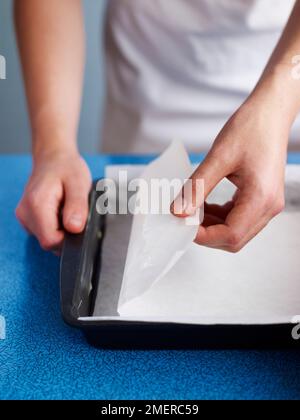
14,127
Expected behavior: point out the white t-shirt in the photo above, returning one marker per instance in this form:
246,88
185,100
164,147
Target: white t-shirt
178,69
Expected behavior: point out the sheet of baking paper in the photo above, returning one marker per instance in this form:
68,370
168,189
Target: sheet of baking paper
157,241
261,284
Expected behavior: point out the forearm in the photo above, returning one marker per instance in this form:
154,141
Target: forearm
278,84
51,42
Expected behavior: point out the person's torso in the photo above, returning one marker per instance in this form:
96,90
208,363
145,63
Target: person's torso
180,68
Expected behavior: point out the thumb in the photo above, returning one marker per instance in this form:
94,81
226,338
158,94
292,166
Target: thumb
193,195
76,207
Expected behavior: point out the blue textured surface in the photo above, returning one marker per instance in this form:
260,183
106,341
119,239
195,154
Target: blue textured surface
42,358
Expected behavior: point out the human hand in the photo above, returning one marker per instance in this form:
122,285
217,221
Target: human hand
59,184
251,152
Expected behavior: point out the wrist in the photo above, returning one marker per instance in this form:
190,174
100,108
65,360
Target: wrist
279,94
53,133
53,148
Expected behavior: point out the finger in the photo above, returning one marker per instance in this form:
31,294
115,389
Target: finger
237,230
200,185
39,218
213,236
258,228
225,247
20,216
44,224
211,220
75,211
262,224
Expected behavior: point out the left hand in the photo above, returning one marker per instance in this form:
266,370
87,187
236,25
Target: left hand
251,152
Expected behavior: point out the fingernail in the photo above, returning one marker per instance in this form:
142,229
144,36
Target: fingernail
75,220
178,206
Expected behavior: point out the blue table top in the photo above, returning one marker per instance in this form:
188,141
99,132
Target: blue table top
42,358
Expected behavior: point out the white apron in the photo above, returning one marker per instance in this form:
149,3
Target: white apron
178,69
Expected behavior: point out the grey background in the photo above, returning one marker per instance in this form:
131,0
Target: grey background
14,127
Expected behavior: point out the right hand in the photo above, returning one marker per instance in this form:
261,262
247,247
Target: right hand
59,185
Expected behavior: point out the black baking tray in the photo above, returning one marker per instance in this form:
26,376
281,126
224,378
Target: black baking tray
79,276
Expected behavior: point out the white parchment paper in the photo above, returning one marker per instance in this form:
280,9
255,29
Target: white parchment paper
259,285
157,241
